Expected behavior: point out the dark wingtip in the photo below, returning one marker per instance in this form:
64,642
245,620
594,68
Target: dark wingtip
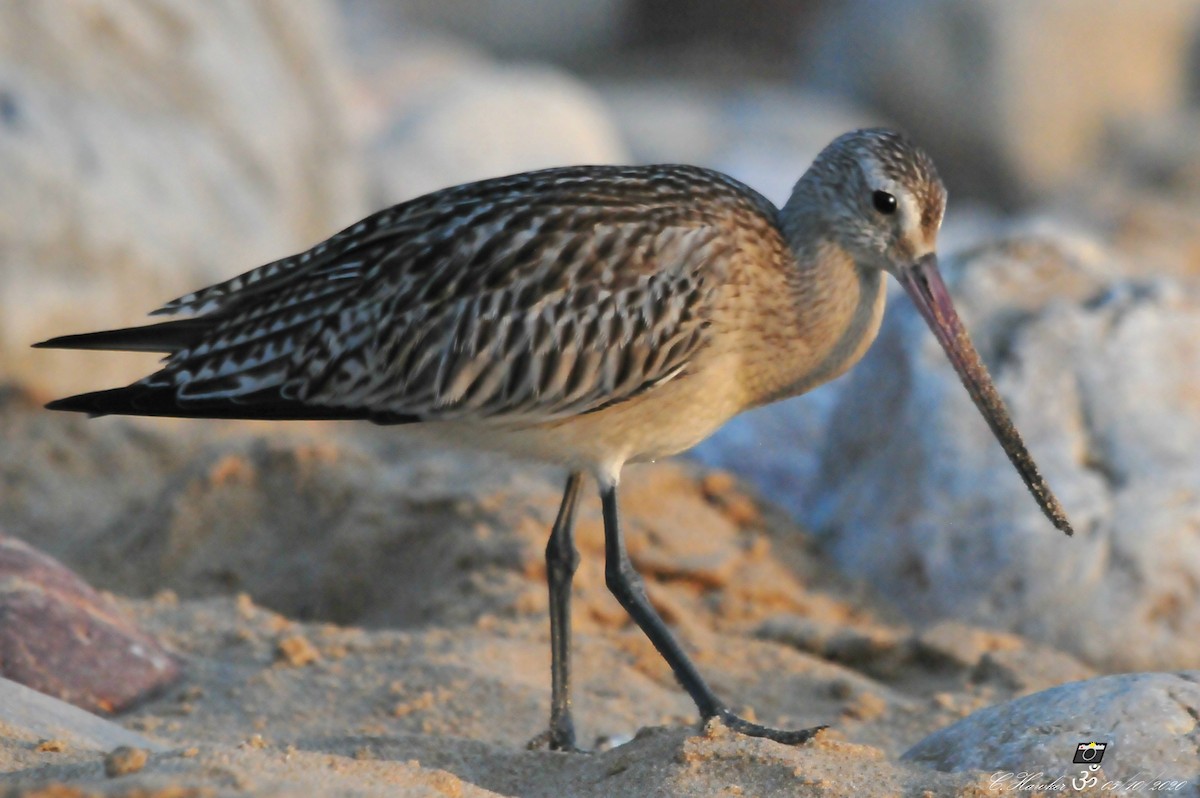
83,403
77,341
148,400
167,336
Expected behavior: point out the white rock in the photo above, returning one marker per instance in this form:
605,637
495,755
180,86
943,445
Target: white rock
488,122
149,148
1148,721
1101,376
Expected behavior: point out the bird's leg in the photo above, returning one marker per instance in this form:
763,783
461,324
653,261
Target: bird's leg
626,585
562,558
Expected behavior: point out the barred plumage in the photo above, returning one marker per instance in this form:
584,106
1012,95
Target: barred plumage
521,299
586,316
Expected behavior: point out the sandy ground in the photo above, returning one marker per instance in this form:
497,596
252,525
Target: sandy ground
406,651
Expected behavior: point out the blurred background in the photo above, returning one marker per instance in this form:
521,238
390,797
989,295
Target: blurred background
151,147
148,147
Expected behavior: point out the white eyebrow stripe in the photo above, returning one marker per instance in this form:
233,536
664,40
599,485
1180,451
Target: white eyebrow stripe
910,211
910,216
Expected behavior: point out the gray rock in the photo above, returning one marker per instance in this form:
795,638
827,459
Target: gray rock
483,121
1148,720
29,714
148,148
550,29
763,135
437,111
1029,668
1100,374
1012,98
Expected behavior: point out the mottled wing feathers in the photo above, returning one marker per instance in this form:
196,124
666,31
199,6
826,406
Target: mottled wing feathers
540,344
524,298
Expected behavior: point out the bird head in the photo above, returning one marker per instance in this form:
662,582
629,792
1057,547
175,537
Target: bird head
877,196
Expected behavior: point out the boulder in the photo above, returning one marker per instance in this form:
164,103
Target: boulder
1100,373
148,149
1147,722
543,29
1014,99
437,111
763,134
60,637
487,121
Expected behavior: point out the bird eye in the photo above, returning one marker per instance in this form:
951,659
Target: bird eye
884,202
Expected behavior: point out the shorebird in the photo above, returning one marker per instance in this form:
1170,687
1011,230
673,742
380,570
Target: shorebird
585,316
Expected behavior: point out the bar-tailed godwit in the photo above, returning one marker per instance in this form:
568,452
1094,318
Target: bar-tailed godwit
586,316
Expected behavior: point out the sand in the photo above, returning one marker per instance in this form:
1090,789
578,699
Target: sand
358,618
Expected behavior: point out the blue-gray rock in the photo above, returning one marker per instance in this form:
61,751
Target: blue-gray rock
763,135
27,713
523,29
1149,721
1100,373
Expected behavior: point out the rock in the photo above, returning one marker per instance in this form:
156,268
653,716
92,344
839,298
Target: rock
541,29
871,648
149,149
124,760
487,122
1100,372
957,645
994,659
62,638
764,135
437,111
1029,668
775,448
1012,98
1148,721
29,714
296,651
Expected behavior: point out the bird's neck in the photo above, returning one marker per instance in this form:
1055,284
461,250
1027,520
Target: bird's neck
846,301
832,308
804,226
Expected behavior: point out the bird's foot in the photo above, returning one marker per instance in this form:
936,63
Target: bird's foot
784,736
558,737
